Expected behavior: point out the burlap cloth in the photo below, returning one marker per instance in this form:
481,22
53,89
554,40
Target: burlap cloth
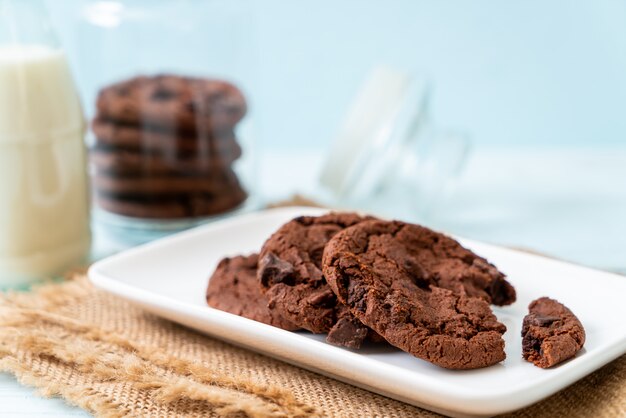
112,359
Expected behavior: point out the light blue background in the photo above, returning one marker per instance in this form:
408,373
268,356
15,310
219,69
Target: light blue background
523,73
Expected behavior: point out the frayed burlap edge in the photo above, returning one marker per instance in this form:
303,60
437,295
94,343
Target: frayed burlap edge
28,333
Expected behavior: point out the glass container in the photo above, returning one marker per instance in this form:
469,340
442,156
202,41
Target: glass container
44,205
390,158
168,88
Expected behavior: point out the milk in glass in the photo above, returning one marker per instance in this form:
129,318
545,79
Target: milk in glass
44,205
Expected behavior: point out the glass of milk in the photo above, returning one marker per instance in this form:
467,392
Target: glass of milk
44,203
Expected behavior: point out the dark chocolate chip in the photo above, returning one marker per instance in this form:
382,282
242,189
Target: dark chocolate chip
347,332
191,106
162,93
325,297
418,273
543,320
274,270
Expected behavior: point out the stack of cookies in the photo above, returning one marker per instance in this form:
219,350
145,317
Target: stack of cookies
360,279
165,147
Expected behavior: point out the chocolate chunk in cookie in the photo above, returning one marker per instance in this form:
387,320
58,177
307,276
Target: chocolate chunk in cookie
376,268
551,333
233,288
290,273
174,103
348,332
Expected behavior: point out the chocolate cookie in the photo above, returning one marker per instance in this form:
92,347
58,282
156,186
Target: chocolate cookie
372,269
125,162
551,333
185,206
290,273
217,182
233,288
173,102
441,261
136,138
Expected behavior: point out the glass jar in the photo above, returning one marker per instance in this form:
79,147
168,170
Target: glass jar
44,205
389,157
168,87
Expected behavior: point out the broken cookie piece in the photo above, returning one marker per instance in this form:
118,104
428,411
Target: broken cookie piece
551,333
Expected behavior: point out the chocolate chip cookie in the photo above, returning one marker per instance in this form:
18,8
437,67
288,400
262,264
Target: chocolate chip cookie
126,162
441,261
165,147
551,333
173,102
138,138
219,182
234,288
385,273
291,276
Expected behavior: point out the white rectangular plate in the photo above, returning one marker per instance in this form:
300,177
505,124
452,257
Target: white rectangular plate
169,277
